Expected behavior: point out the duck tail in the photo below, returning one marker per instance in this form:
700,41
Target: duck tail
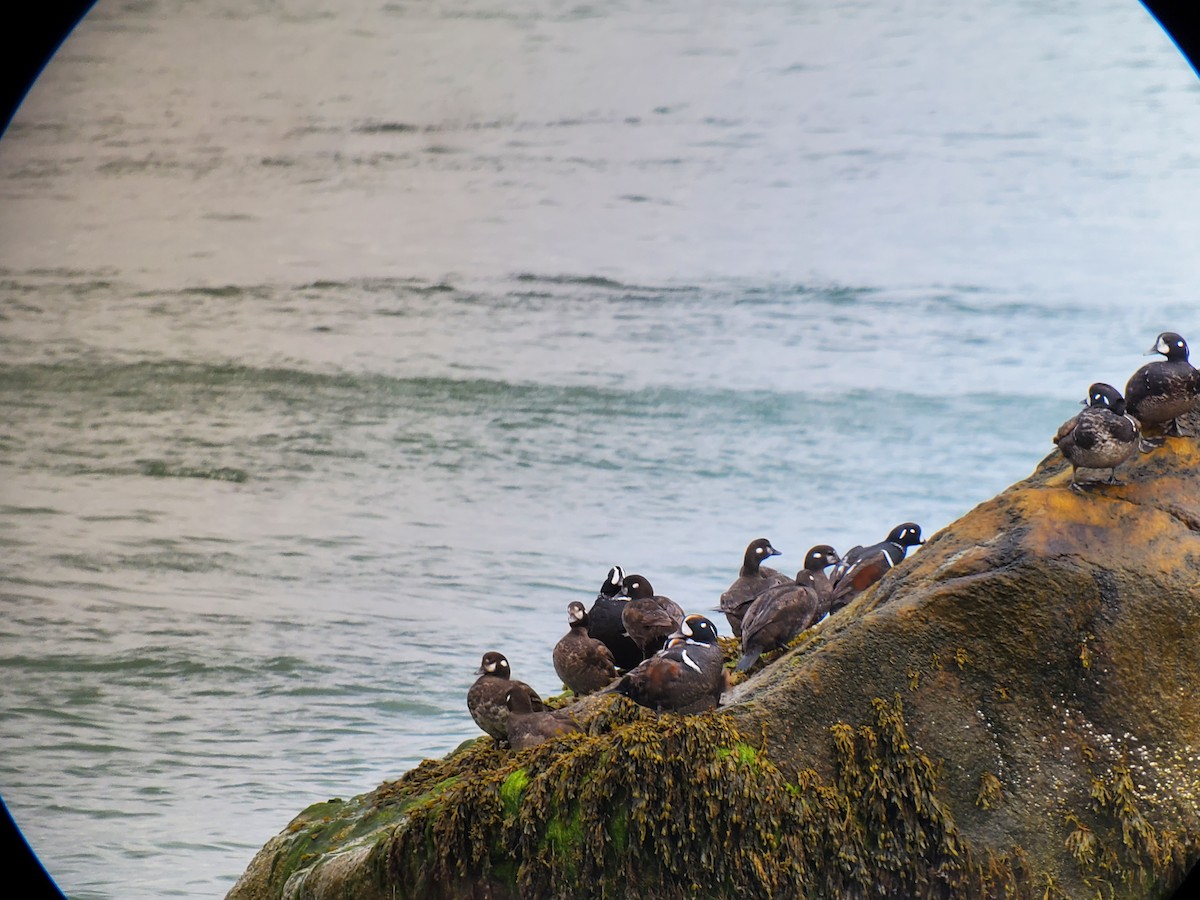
620,686
749,658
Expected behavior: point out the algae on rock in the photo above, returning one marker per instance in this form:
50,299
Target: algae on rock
1008,713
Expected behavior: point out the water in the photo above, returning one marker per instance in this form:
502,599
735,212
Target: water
344,342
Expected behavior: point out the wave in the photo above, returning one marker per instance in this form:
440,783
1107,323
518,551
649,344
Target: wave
146,384
602,282
788,301
158,468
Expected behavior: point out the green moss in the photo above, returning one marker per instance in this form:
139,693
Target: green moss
564,839
617,829
511,790
744,753
318,811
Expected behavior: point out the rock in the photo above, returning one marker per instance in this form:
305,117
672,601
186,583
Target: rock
1010,712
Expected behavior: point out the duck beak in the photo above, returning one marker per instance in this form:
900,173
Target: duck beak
773,552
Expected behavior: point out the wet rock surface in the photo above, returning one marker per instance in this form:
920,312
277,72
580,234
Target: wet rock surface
1009,712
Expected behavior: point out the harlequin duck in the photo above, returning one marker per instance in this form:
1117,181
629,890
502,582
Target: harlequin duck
583,663
753,579
778,616
781,613
487,699
604,621
1159,392
528,727
648,618
686,677
861,567
1102,436
816,561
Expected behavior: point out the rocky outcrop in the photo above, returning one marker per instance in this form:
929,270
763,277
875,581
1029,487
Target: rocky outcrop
1011,712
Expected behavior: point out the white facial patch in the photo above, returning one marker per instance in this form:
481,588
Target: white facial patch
687,661
1161,347
685,629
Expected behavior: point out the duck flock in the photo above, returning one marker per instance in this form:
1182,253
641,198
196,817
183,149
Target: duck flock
644,646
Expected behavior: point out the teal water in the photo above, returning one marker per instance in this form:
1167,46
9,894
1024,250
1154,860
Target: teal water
341,345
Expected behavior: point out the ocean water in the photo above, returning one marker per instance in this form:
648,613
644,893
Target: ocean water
345,342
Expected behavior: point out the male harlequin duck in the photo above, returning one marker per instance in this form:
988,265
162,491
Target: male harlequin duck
583,663
1102,436
686,677
1159,392
487,699
861,567
604,621
753,579
528,727
648,618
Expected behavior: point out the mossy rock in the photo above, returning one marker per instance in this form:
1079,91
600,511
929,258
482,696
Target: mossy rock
1009,713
